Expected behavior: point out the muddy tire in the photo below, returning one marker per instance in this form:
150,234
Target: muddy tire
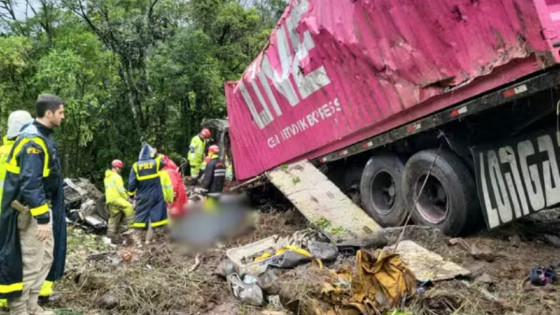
381,190
449,200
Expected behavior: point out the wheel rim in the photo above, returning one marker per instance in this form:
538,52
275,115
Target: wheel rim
433,204
384,192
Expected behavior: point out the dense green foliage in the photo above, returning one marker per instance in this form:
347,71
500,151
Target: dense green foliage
129,70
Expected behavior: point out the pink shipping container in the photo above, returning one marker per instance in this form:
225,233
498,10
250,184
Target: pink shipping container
336,72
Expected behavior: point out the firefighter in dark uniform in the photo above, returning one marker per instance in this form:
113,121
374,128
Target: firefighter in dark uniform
144,183
33,225
214,177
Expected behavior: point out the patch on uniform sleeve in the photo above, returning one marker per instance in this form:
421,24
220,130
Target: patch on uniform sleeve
33,150
191,149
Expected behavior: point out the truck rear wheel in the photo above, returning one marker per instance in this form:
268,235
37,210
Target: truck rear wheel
380,190
449,200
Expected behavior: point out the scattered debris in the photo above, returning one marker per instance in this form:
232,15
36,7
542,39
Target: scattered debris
319,200
274,302
268,282
108,301
196,263
427,265
323,251
85,205
95,269
540,276
247,290
431,238
290,257
286,252
378,282
98,256
243,258
515,240
381,283
225,268
478,253
484,278
552,240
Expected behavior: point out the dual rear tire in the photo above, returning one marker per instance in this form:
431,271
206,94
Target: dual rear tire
389,188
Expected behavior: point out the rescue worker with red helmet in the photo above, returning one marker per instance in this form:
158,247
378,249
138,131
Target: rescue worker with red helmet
196,152
116,199
214,175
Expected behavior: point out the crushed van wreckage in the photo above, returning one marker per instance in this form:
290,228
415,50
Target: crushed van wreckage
85,205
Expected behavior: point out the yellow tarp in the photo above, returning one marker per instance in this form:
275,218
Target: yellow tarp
380,283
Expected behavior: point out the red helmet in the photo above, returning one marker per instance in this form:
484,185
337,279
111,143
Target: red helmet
205,133
117,163
213,149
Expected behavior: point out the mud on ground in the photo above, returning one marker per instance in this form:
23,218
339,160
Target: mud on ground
158,280
500,286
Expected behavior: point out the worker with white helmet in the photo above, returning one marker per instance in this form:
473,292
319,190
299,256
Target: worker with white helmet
16,121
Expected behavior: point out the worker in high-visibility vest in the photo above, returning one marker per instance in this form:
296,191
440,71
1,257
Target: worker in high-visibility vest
16,121
32,224
116,199
196,153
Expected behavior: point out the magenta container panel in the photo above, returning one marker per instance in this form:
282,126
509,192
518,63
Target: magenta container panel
338,71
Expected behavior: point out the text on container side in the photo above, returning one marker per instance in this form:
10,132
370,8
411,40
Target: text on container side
324,112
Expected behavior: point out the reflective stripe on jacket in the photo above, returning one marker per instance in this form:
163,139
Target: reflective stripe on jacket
166,186
34,178
145,182
214,176
4,152
114,187
196,154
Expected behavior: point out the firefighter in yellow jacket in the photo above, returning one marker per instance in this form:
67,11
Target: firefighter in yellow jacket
196,153
116,199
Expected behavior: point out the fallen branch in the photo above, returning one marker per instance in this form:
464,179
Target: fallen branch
196,264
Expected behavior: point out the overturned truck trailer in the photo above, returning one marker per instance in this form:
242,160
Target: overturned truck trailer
389,94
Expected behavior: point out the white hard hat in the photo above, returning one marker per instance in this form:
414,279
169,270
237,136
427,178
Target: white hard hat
16,120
